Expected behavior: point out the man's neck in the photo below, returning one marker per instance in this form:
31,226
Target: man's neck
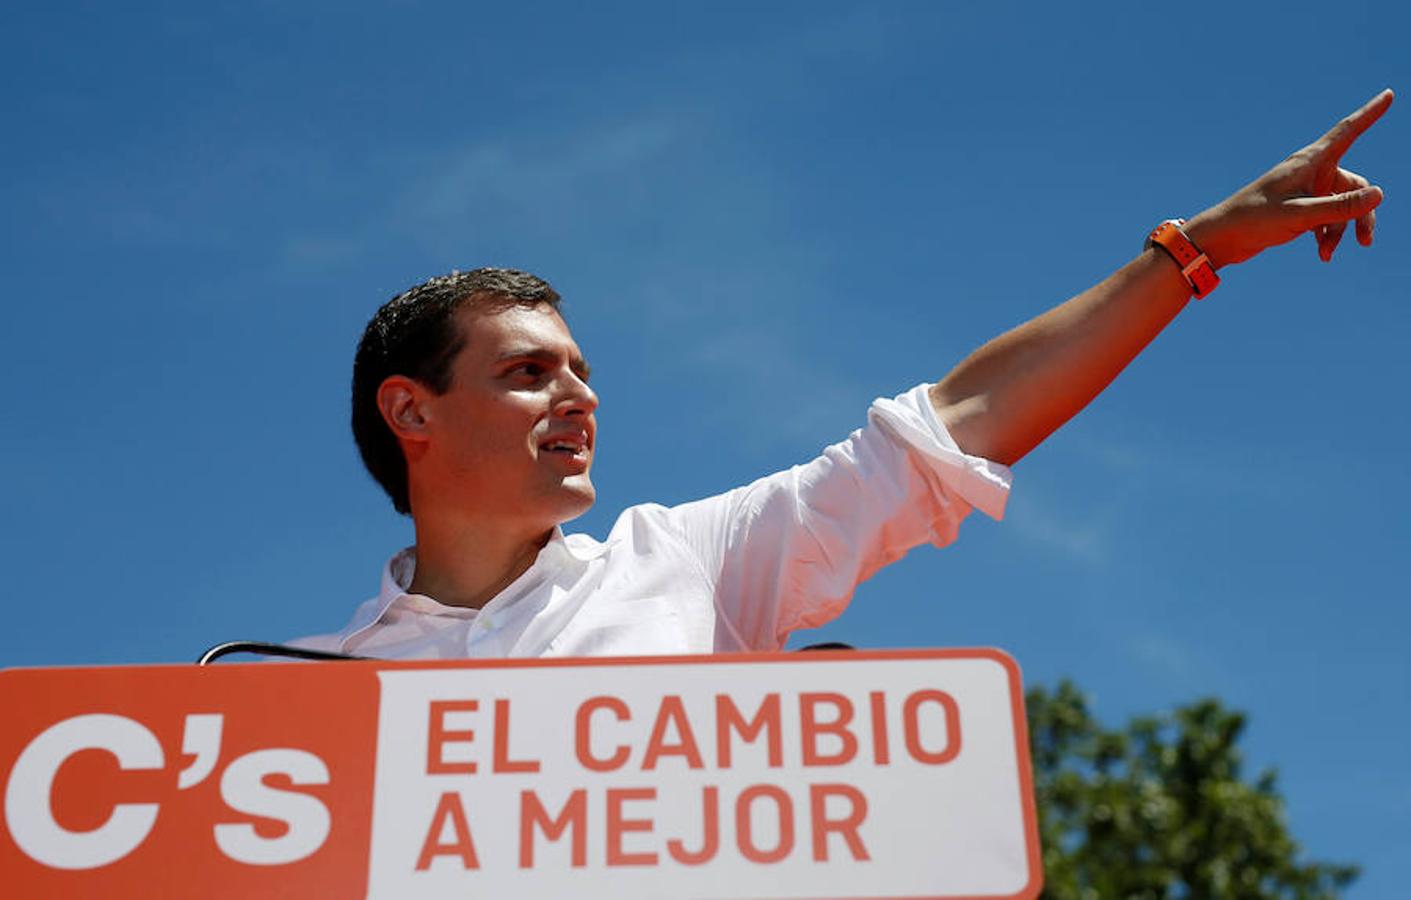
463,561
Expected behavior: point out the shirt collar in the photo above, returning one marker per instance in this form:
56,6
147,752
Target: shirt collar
397,577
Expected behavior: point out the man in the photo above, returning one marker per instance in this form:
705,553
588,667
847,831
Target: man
471,406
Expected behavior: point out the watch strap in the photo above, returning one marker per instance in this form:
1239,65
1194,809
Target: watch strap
1195,265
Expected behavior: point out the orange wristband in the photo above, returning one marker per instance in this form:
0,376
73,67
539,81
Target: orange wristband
1195,265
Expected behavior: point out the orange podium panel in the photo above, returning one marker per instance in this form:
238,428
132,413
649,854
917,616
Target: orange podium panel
833,774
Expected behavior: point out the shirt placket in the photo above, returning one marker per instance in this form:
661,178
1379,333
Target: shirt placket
480,633
486,635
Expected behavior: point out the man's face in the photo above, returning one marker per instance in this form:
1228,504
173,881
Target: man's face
513,435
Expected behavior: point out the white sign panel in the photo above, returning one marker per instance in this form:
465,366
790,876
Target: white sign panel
831,775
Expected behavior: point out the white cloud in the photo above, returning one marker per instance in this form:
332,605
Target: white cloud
1180,665
533,177
1087,543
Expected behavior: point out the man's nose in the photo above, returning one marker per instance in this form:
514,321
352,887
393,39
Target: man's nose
578,398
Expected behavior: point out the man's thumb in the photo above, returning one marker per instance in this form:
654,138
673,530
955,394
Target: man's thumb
1314,211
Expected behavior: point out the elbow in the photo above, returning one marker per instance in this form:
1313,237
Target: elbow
975,426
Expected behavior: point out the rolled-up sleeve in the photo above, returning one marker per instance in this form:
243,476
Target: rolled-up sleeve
788,551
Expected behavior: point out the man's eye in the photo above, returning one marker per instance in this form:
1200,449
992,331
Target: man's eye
533,370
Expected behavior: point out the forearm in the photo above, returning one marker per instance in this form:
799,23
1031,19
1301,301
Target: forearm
1018,388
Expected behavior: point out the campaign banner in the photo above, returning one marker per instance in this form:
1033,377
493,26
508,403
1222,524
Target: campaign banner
829,774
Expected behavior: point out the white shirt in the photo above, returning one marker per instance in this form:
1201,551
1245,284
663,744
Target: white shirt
734,572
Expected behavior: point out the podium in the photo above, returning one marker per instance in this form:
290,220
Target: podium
855,774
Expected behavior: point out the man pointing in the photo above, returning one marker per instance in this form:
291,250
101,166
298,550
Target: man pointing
472,408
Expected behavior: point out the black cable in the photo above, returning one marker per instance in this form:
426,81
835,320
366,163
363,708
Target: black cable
264,649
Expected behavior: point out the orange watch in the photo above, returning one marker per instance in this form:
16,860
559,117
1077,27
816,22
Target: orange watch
1195,265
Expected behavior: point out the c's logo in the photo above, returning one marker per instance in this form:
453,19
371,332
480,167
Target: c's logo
29,813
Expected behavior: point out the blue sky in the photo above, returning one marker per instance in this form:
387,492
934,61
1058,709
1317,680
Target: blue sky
761,216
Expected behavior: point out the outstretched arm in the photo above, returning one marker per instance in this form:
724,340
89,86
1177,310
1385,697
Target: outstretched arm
1017,389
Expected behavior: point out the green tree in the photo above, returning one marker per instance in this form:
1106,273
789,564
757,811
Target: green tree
1160,809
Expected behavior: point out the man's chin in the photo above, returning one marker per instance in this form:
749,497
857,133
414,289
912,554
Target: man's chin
575,498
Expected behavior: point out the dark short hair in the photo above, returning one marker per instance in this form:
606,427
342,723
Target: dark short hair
415,334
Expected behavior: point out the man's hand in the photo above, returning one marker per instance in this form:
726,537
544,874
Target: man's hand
1309,191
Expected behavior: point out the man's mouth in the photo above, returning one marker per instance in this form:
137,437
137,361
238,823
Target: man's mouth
568,446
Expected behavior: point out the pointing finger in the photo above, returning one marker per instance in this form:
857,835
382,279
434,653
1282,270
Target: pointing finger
1341,135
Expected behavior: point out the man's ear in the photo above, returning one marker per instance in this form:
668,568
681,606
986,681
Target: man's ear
402,402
